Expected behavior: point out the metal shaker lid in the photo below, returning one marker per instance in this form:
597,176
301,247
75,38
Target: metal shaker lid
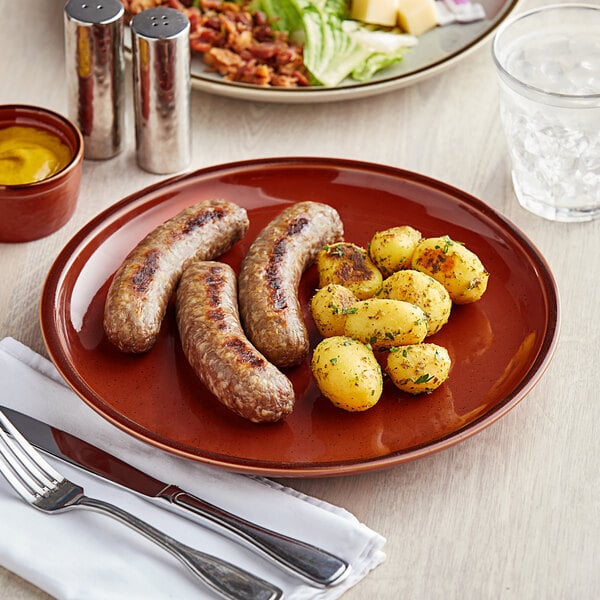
160,23
162,89
96,73
99,12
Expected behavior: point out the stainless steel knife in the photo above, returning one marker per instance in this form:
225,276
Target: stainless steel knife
312,564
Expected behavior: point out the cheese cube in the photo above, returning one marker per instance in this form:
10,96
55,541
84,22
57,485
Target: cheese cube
376,12
417,16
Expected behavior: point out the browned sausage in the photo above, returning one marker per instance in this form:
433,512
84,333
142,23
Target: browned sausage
142,286
218,350
270,275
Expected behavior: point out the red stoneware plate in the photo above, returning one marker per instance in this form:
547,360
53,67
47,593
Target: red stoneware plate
500,346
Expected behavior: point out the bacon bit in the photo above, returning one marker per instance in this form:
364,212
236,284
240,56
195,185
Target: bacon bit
223,60
237,43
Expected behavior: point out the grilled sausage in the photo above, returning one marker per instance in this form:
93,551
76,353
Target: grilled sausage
142,286
218,350
270,274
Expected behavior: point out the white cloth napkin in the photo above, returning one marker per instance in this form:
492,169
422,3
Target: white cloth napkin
85,555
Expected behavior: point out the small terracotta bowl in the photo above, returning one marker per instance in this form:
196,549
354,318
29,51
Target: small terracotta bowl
34,210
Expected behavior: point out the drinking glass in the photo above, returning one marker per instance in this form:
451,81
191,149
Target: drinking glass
548,65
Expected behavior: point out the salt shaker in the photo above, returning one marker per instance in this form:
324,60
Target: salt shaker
161,89
96,74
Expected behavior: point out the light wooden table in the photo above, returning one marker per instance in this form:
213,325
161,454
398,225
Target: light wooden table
511,513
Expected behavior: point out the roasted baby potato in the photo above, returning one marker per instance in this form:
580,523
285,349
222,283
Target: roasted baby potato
347,373
392,249
329,308
424,291
452,264
419,368
348,265
384,323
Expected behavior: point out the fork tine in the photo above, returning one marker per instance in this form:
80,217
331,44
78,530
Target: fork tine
33,467
14,481
21,465
31,452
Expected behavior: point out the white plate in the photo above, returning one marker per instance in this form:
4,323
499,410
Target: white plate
436,51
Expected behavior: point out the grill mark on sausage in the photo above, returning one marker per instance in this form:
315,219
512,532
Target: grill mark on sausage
273,270
214,285
214,281
198,221
297,226
244,353
273,275
145,273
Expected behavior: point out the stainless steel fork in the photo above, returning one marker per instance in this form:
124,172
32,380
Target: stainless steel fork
47,490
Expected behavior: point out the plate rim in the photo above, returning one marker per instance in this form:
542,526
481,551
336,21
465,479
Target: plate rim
51,287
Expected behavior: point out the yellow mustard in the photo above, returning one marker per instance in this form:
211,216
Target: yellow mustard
28,154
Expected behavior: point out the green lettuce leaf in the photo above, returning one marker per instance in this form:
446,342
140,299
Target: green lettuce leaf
286,15
375,62
331,54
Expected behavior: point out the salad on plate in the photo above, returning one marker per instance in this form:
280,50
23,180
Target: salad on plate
300,43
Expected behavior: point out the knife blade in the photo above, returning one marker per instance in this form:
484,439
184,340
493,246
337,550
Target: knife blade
312,564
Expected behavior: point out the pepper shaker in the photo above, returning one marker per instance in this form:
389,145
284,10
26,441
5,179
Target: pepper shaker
96,74
161,89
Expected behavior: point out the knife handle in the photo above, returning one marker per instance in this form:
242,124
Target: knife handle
312,564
